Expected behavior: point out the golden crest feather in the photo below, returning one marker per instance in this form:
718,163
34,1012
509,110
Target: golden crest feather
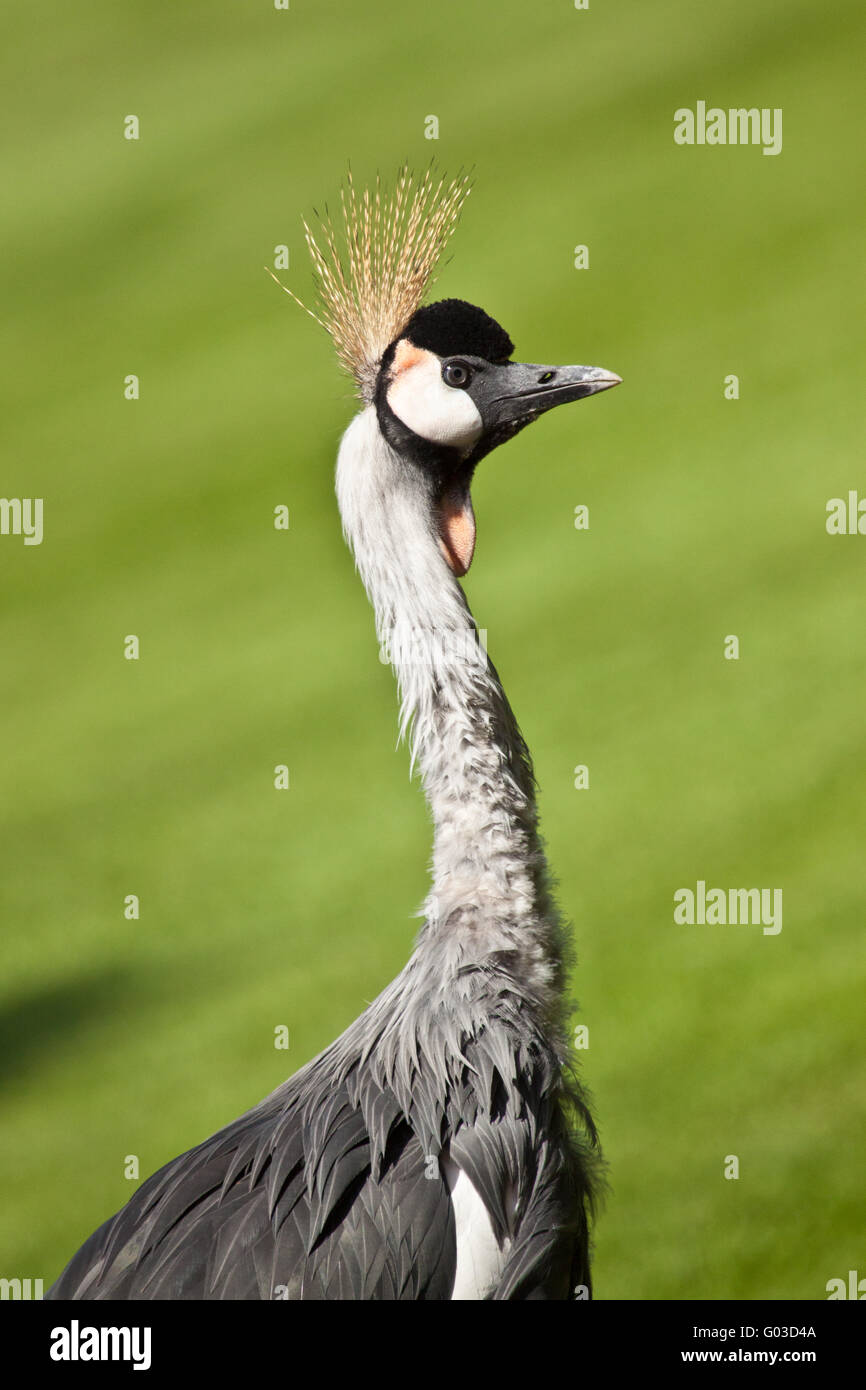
371,277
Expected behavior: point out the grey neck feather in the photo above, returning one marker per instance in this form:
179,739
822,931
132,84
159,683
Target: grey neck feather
490,903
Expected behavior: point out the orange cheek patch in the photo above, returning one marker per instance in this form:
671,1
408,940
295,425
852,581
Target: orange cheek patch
407,355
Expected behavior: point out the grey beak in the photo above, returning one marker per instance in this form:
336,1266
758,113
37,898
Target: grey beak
517,392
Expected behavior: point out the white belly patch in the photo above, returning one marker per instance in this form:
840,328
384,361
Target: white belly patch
480,1260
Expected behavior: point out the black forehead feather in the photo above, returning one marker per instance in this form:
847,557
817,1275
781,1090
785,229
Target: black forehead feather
451,327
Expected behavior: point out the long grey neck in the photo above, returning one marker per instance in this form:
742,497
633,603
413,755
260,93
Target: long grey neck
490,897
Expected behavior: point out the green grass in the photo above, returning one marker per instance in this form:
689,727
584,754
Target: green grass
707,518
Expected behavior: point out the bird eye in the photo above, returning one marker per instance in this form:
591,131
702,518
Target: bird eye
456,374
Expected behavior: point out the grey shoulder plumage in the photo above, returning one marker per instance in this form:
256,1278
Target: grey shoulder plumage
333,1187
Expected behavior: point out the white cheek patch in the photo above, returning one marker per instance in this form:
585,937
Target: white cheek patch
419,397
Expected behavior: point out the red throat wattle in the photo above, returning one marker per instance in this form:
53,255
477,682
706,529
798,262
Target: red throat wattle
457,528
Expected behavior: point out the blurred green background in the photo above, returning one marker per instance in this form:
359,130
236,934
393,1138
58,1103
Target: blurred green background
707,518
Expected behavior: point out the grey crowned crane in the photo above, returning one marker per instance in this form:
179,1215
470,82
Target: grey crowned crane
442,1147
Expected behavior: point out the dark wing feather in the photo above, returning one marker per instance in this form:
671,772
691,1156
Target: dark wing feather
332,1188
281,1205
533,1177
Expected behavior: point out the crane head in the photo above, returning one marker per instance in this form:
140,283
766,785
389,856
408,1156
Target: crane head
447,393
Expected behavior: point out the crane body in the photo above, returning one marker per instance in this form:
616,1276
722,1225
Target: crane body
441,1148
